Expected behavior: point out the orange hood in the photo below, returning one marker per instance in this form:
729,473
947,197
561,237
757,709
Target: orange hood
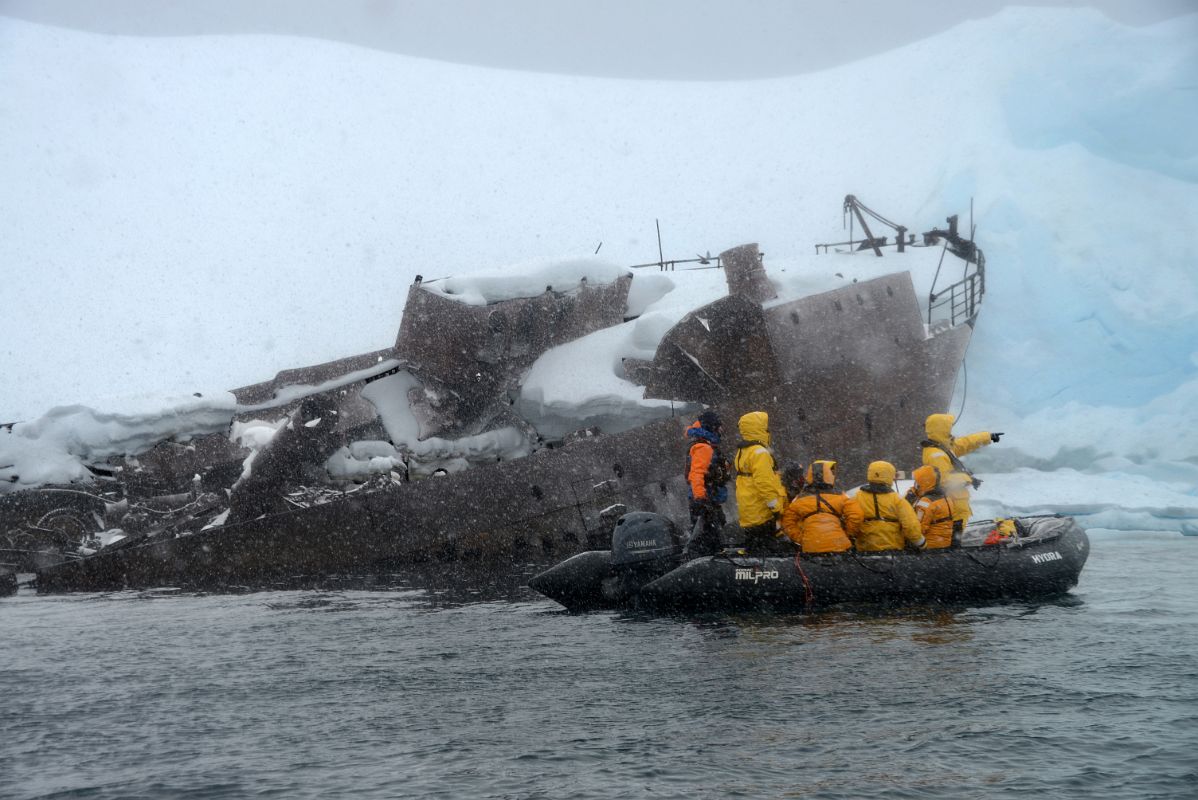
927,479
821,472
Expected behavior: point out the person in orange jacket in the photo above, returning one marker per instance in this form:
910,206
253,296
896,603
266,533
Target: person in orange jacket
889,519
707,472
933,508
943,450
821,519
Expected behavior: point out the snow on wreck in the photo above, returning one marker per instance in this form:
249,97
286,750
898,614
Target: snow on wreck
520,412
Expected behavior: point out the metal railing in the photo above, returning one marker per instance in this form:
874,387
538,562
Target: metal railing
958,302
710,262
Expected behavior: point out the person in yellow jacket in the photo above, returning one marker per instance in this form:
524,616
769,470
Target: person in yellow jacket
760,497
821,519
889,519
943,450
934,509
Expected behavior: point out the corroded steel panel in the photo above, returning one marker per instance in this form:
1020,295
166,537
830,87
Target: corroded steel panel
257,393
472,356
746,274
719,352
848,374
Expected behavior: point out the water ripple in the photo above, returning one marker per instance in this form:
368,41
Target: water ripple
402,691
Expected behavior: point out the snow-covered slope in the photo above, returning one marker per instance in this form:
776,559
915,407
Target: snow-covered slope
195,214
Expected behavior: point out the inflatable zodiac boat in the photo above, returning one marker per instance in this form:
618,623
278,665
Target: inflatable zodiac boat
646,569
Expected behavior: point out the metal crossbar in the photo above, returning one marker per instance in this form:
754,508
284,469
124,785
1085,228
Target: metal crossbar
713,262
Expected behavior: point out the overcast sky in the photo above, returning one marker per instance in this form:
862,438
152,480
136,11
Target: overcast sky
675,39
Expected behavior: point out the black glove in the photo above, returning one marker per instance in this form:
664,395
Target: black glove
994,437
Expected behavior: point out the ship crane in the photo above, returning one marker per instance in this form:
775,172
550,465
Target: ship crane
859,210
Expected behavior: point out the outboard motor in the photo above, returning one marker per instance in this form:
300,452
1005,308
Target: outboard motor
644,546
642,537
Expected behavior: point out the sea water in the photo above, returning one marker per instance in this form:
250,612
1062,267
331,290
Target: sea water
493,692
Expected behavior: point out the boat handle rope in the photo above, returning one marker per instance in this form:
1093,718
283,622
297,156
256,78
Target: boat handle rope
867,568
808,594
993,563
731,559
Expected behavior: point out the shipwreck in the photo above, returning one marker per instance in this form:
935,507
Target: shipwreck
437,448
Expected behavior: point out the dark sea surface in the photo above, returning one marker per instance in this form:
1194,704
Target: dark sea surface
497,693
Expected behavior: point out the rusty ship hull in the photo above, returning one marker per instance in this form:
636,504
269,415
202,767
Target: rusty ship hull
834,370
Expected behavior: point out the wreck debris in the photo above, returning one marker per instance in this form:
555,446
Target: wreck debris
342,487
302,445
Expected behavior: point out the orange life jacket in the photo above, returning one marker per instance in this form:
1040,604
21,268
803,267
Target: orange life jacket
822,521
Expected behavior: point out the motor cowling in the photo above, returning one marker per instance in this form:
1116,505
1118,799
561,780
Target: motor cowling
642,537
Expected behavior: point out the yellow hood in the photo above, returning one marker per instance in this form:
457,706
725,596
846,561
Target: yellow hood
881,472
755,427
939,428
